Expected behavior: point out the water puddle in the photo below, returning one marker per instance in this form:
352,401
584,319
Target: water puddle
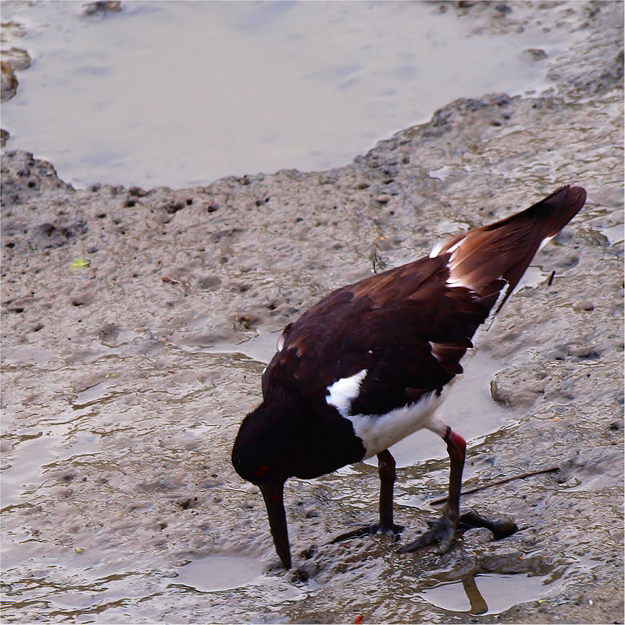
182,93
488,593
485,593
35,456
614,234
261,348
219,573
94,394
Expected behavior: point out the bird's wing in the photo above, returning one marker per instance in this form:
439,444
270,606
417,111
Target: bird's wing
406,327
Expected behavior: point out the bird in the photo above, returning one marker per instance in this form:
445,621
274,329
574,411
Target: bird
371,362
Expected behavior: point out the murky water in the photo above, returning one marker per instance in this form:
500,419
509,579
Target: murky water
182,93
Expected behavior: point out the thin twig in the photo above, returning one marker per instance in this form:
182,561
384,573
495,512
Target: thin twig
522,476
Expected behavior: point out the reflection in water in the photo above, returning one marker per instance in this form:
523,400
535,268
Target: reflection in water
478,604
492,593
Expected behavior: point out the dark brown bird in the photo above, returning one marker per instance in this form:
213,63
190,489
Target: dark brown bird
368,365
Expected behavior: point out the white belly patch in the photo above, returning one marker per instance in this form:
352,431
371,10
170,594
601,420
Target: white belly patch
379,432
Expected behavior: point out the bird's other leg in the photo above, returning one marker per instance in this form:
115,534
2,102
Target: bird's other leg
444,529
386,471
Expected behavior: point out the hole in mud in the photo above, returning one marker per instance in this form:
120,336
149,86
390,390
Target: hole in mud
219,573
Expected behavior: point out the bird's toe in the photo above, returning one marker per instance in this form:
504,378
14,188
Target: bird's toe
374,528
500,528
442,532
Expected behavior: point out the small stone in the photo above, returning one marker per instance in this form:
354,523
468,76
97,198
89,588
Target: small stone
534,54
102,6
584,305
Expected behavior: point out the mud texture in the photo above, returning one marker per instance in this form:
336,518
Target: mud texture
119,416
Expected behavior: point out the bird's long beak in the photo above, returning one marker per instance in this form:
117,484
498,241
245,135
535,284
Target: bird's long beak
273,494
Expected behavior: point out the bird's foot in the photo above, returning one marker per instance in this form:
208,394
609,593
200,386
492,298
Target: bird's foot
500,528
374,528
441,532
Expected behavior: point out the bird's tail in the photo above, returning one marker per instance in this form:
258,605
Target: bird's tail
491,260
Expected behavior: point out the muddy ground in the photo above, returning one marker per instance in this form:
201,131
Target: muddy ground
122,388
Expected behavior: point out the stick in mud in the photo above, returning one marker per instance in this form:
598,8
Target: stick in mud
521,476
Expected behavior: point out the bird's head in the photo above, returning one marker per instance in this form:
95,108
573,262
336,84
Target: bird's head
262,454
286,437
263,449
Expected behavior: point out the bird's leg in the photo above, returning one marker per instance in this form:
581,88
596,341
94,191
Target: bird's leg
456,448
386,471
443,530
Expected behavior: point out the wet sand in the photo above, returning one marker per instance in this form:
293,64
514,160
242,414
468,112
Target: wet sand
134,328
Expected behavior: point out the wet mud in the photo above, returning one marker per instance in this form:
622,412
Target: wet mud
135,327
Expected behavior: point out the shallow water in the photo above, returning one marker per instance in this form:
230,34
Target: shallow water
182,93
219,573
486,594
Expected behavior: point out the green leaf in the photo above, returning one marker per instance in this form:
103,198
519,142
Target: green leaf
79,263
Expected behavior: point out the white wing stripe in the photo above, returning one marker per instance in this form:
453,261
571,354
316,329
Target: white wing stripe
344,391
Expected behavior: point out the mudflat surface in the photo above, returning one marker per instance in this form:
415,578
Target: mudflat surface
134,328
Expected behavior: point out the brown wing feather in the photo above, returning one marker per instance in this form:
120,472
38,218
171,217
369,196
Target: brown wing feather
504,250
